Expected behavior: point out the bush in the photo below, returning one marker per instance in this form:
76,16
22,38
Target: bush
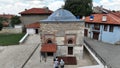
1,26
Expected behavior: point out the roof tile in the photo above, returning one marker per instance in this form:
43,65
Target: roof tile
9,16
49,48
36,11
33,25
111,19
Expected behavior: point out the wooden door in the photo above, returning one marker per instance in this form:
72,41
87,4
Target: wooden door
70,50
85,32
96,35
36,31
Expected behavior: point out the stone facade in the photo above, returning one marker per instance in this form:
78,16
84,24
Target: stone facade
60,33
60,30
63,29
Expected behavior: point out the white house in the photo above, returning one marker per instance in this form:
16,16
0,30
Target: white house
33,28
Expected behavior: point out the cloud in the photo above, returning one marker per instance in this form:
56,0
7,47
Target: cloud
16,6
55,5
109,4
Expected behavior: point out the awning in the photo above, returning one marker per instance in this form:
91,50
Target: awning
48,48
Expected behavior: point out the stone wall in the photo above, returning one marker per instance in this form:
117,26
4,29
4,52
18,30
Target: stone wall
77,51
61,26
11,30
62,32
61,29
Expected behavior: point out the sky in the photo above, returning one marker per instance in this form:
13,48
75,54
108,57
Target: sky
16,6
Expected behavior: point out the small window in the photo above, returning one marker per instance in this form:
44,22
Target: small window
85,25
49,41
105,27
111,28
96,26
70,41
88,25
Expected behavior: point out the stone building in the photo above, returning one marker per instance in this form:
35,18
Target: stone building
62,34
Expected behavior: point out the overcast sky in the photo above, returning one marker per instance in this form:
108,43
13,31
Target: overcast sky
16,6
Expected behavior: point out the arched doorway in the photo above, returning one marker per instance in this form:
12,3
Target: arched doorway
49,41
70,41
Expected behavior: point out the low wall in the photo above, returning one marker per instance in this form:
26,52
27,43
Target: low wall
94,66
11,30
23,39
99,65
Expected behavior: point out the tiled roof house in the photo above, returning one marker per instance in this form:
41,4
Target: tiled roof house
8,16
32,15
33,28
36,11
103,27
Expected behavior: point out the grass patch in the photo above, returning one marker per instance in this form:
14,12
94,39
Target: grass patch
10,39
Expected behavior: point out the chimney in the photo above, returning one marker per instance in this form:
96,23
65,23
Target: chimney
25,9
46,9
104,18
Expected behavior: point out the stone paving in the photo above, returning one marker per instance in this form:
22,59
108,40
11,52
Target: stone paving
108,52
15,56
34,61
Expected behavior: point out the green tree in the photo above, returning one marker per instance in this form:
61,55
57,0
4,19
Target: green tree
1,26
15,20
79,7
2,19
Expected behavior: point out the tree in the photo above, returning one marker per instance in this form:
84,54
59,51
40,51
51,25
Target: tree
15,20
1,26
2,19
79,7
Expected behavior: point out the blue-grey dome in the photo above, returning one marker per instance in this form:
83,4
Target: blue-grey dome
61,15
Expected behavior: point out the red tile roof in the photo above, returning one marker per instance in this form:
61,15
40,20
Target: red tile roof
111,19
36,11
33,25
49,48
116,13
9,16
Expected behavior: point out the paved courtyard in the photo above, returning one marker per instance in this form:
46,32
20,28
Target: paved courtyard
17,55
34,61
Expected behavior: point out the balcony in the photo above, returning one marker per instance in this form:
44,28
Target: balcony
96,29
